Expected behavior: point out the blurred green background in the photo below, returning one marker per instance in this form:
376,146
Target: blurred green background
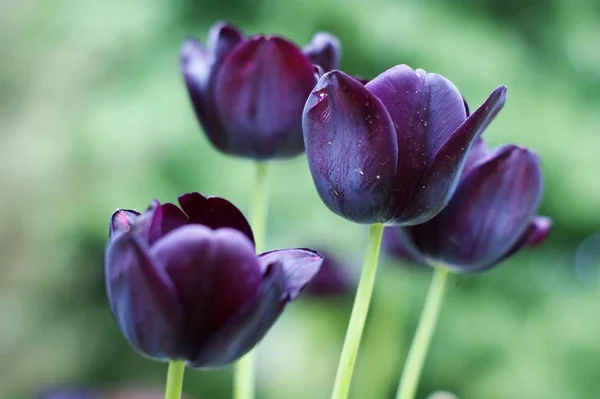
94,116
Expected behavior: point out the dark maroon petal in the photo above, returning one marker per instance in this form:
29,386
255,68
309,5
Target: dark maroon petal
248,326
487,215
121,221
172,218
536,233
351,148
324,50
222,39
147,224
398,242
260,91
426,110
142,298
405,95
299,267
332,279
199,67
446,112
438,183
215,274
214,212
478,153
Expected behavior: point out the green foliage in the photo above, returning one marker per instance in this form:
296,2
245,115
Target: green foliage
94,116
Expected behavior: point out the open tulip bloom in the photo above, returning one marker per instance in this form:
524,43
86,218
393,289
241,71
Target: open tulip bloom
389,151
186,285
491,216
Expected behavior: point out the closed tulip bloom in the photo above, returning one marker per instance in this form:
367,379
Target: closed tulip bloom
391,150
249,92
491,216
186,284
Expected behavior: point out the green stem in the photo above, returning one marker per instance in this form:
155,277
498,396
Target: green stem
359,314
243,379
174,380
422,339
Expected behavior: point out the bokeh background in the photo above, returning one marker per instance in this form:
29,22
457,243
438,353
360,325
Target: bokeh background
94,116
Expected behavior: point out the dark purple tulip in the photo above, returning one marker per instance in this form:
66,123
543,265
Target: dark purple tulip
391,150
249,92
491,216
187,284
333,279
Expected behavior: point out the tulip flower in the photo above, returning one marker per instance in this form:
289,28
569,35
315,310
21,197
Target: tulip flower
391,150
491,215
387,151
186,285
333,279
249,92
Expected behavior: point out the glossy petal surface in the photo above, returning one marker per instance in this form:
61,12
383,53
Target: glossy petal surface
214,272
351,147
260,76
488,213
142,298
214,212
248,326
439,181
299,267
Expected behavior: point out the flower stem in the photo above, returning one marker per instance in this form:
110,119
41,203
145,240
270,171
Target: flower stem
174,380
359,314
243,378
420,344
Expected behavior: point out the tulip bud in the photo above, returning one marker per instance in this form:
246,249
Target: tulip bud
186,284
391,150
249,92
491,216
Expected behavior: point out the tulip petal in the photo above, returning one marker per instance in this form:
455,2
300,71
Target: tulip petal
536,233
142,298
214,212
351,147
121,221
439,181
222,39
259,76
172,218
299,267
405,95
477,154
487,215
398,242
324,50
248,326
198,67
215,273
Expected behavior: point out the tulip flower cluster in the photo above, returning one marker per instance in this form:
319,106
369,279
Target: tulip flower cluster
190,285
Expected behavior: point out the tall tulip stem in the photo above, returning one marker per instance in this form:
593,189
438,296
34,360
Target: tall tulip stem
244,373
422,339
359,314
174,380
